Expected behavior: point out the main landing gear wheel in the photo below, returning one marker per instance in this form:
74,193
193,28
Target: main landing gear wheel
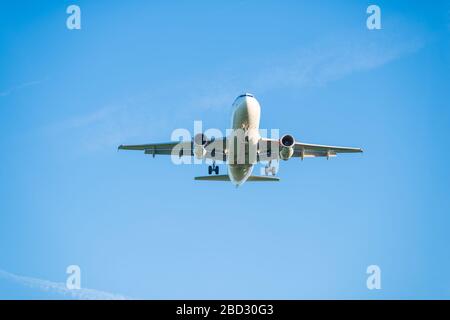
213,168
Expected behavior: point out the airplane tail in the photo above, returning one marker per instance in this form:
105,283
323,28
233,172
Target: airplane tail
225,177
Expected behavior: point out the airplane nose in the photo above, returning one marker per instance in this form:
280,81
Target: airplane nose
244,97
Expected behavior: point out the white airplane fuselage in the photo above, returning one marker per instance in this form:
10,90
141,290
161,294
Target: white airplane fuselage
246,116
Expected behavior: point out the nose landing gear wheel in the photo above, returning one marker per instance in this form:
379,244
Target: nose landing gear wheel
270,169
273,171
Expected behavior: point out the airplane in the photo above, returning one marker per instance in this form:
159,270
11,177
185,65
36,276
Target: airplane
243,148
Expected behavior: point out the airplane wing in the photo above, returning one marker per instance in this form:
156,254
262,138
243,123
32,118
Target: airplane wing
160,148
303,150
318,150
214,150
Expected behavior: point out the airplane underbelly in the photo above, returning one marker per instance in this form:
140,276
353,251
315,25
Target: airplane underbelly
239,173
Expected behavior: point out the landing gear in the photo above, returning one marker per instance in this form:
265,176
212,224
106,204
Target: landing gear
270,169
213,168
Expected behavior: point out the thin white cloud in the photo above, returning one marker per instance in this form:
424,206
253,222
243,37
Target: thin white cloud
313,65
331,60
104,127
85,120
118,123
60,288
19,87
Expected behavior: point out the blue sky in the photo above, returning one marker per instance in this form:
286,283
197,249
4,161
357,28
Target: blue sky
143,228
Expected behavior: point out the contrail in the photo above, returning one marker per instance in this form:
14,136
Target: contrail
60,288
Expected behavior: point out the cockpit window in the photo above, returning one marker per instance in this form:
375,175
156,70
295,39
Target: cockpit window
246,95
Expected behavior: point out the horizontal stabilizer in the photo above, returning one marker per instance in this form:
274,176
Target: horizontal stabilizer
263,178
225,177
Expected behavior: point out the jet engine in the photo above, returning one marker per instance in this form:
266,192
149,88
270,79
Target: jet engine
287,143
200,142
